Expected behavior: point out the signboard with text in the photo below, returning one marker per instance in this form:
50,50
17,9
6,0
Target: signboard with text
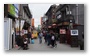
13,9
74,32
62,31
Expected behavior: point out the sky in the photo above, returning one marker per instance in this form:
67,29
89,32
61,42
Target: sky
38,10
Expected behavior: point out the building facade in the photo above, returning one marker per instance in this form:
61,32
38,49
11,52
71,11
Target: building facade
25,13
51,18
67,16
17,13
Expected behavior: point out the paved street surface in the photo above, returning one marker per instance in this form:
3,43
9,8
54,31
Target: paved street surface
43,47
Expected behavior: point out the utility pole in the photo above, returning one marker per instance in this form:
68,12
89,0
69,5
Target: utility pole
77,12
19,22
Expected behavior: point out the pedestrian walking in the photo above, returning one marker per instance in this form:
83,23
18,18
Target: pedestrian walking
44,34
40,37
48,38
56,35
53,40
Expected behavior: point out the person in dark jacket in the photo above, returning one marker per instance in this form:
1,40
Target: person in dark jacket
48,37
44,34
29,36
21,42
53,39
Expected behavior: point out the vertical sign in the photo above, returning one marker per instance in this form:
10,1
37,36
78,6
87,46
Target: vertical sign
41,20
32,21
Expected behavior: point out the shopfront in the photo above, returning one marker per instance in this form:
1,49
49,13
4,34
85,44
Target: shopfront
11,13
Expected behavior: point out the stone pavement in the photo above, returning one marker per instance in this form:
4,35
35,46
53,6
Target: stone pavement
43,47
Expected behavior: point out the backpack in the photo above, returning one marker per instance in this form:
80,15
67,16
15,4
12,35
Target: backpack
53,38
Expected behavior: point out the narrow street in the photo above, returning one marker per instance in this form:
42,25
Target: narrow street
62,22
43,47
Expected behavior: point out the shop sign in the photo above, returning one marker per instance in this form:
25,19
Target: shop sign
16,9
74,32
16,6
12,9
16,13
62,31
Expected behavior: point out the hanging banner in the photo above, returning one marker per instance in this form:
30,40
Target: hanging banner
17,26
22,24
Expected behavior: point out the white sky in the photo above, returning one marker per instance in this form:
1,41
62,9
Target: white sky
38,10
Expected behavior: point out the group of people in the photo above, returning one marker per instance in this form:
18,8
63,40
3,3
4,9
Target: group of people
49,37
24,40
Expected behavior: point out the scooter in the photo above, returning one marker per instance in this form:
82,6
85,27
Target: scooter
25,47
